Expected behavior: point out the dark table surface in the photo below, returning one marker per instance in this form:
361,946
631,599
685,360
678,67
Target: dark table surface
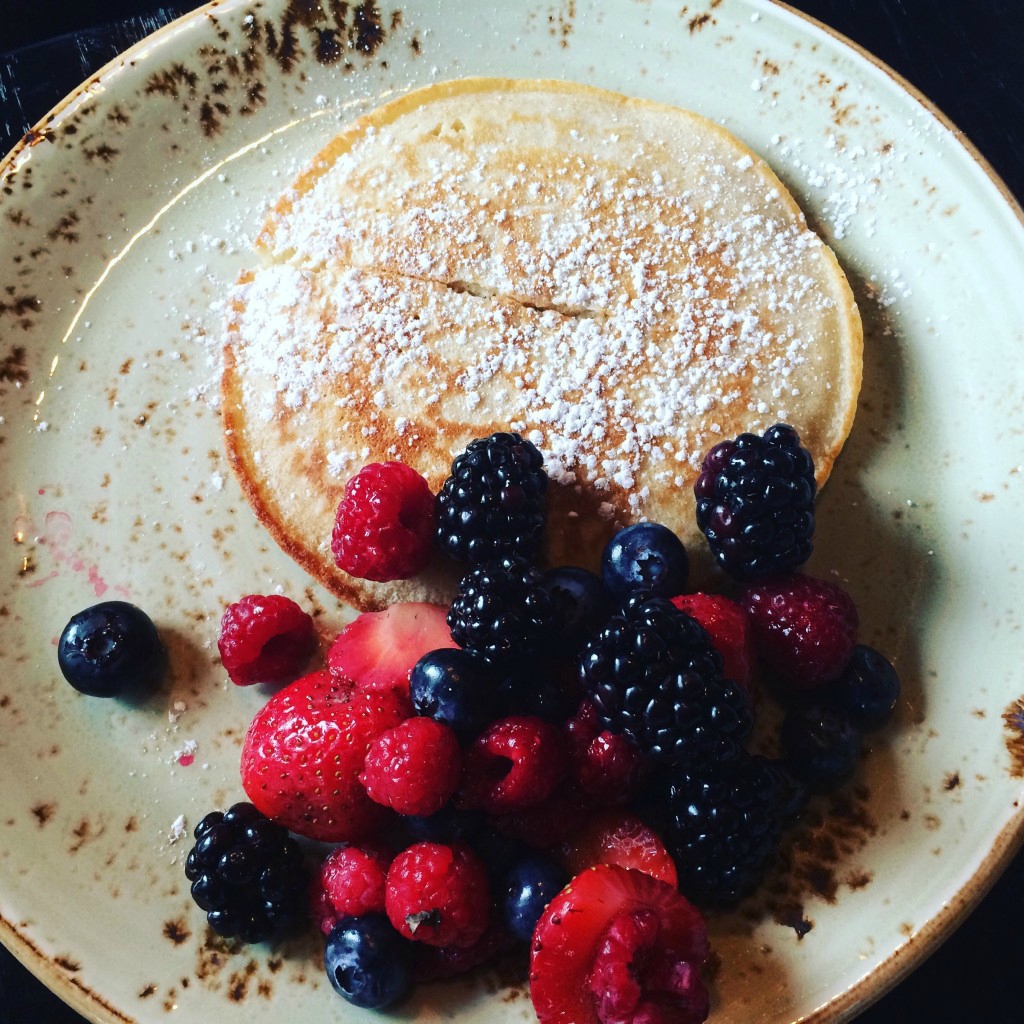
965,55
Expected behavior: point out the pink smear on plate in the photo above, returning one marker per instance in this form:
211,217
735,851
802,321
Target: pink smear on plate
56,535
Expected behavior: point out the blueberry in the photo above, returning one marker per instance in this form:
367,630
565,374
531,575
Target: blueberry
455,688
529,886
109,649
821,746
368,962
647,557
582,603
867,690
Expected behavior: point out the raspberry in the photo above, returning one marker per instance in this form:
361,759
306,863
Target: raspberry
414,767
606,765
492,504
438,894
503,608
384,528
350,882
618,945
804,629
755,503
516,762
265,639
725,622
247,874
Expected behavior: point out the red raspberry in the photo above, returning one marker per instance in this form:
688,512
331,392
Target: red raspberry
438,894
414,767
619,945
516,762
805,629
726,623
265,639
351,881
384,529
606,765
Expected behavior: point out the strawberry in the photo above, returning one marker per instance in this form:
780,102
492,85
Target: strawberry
377,650
618,837
726,623
303,753
618,945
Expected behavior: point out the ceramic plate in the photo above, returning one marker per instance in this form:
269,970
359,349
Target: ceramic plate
127,214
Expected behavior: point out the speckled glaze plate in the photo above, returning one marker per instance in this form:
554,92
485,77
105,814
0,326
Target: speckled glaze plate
126,215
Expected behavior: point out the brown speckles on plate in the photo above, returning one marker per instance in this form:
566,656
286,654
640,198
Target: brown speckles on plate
86,831
43,812
177,931
14,365
561,22
816,860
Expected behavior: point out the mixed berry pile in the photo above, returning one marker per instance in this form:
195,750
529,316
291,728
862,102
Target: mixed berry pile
559,761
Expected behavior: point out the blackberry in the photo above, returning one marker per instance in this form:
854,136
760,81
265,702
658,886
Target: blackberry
503,608
492,504
724,827
655,677
755,503
247,873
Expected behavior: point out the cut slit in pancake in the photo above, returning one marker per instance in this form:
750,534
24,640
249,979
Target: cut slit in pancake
623,282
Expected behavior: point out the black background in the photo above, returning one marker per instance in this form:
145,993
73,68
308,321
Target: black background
964,55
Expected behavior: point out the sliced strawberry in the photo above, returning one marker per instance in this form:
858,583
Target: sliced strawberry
304,750
377,650
726,623
618,837
617,946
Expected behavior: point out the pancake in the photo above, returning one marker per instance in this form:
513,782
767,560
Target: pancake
623,282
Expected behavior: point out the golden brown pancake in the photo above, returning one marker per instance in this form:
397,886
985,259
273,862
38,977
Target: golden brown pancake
623,282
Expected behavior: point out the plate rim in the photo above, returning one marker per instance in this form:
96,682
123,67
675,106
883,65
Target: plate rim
902,961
